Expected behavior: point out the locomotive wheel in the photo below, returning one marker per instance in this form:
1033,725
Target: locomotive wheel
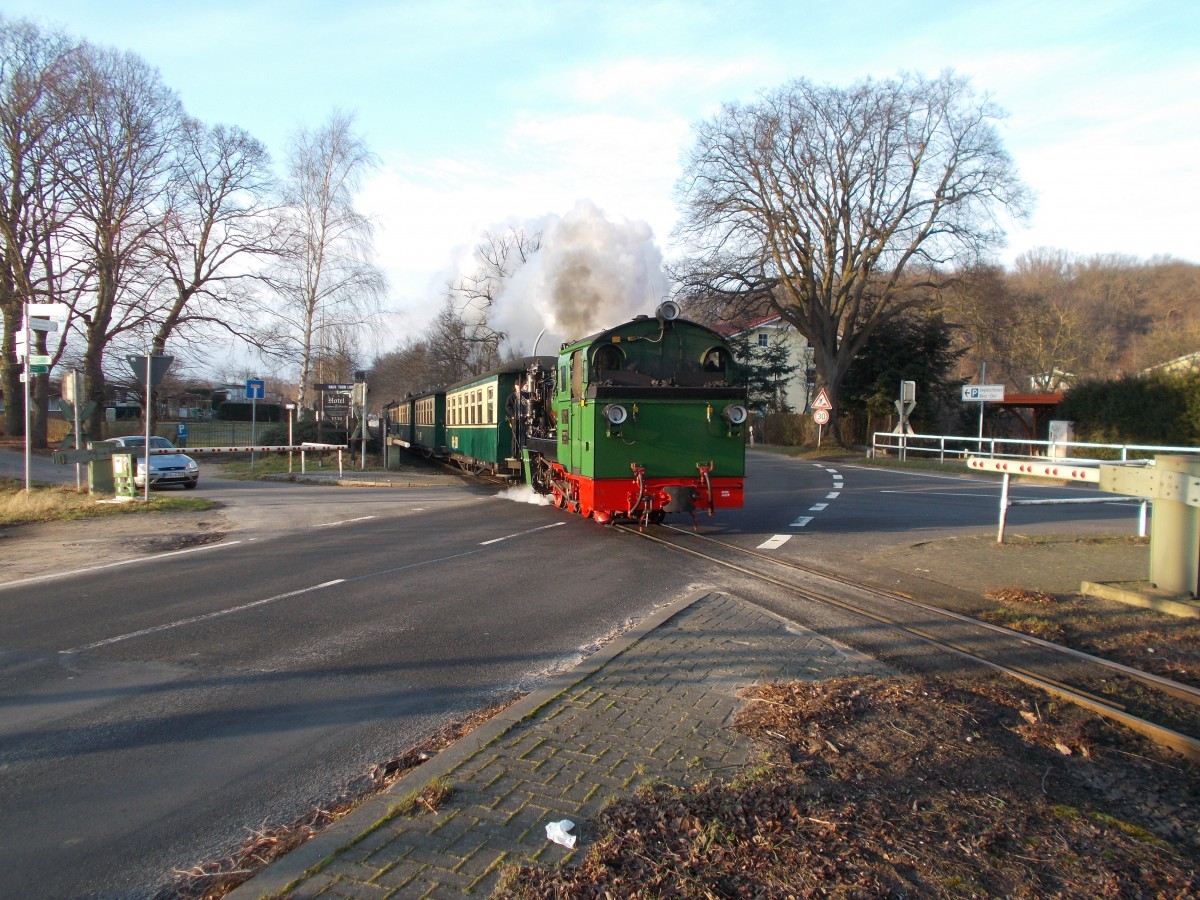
656,517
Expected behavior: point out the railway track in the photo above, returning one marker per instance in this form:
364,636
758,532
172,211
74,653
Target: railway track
1031,660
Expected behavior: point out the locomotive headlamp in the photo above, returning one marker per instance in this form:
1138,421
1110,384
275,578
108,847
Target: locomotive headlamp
615,413
668,311
735,414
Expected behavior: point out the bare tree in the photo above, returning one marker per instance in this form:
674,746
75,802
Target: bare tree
216,231
835,207
327,276
115,165
473,297
37,93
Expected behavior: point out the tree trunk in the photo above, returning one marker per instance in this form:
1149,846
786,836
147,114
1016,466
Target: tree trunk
93,376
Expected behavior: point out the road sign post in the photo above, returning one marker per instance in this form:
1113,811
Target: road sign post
255,389
291,409
821,408
981,394
152,369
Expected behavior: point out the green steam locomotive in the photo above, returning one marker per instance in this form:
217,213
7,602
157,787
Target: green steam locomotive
634,422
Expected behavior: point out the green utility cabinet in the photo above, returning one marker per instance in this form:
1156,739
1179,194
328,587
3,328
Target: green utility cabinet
124,468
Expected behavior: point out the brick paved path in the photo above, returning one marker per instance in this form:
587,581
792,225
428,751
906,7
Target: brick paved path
655,704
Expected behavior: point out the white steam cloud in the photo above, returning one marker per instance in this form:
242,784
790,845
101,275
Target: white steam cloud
523,493
591,273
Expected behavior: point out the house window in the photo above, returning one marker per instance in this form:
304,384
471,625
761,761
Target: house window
763,340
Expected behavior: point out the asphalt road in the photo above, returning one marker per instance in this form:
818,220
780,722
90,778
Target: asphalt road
155,713
822,512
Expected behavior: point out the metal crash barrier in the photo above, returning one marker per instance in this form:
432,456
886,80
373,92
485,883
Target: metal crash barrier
1171,483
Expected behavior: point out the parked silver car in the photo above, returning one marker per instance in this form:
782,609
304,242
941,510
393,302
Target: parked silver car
165,468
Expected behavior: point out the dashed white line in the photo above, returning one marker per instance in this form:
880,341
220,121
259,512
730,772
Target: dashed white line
802,521
939,493
817,507
205,617
775,542
832,495
343,522
519,533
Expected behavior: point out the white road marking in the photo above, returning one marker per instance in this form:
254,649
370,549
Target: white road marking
939,493
519,533
775,542
817,507
205,617
963,477
832,495
112,565
802,521
343,522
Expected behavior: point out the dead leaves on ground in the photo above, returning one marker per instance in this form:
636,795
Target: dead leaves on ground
905,786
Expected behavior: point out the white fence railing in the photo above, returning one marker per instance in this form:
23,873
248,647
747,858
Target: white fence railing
957,447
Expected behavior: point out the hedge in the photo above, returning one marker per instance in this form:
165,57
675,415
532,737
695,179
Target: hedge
1158,409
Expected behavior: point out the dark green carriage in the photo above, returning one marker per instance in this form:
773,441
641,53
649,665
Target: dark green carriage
479,426
429,423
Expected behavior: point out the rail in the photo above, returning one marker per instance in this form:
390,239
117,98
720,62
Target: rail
959,447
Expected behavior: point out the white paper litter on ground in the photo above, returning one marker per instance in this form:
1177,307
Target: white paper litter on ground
557,832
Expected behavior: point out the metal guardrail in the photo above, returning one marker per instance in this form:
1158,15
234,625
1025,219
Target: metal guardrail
959,447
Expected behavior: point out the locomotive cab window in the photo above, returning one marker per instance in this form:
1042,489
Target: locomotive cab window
715,359
607,358
576,374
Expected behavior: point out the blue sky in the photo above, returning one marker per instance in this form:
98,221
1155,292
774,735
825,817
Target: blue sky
485,113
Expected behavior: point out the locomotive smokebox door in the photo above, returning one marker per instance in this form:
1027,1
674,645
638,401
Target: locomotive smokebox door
680,498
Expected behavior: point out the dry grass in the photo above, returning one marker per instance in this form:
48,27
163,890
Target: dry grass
60,503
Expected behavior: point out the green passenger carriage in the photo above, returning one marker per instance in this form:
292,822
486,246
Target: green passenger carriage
429,423
479,420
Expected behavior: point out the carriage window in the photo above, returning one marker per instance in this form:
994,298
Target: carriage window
491,405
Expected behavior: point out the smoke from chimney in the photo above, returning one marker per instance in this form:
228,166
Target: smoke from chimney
591,273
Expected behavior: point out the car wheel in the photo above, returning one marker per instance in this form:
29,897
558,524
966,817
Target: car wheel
190,485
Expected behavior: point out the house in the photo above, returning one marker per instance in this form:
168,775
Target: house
796,389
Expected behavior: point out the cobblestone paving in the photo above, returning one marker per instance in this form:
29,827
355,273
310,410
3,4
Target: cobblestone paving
659,708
